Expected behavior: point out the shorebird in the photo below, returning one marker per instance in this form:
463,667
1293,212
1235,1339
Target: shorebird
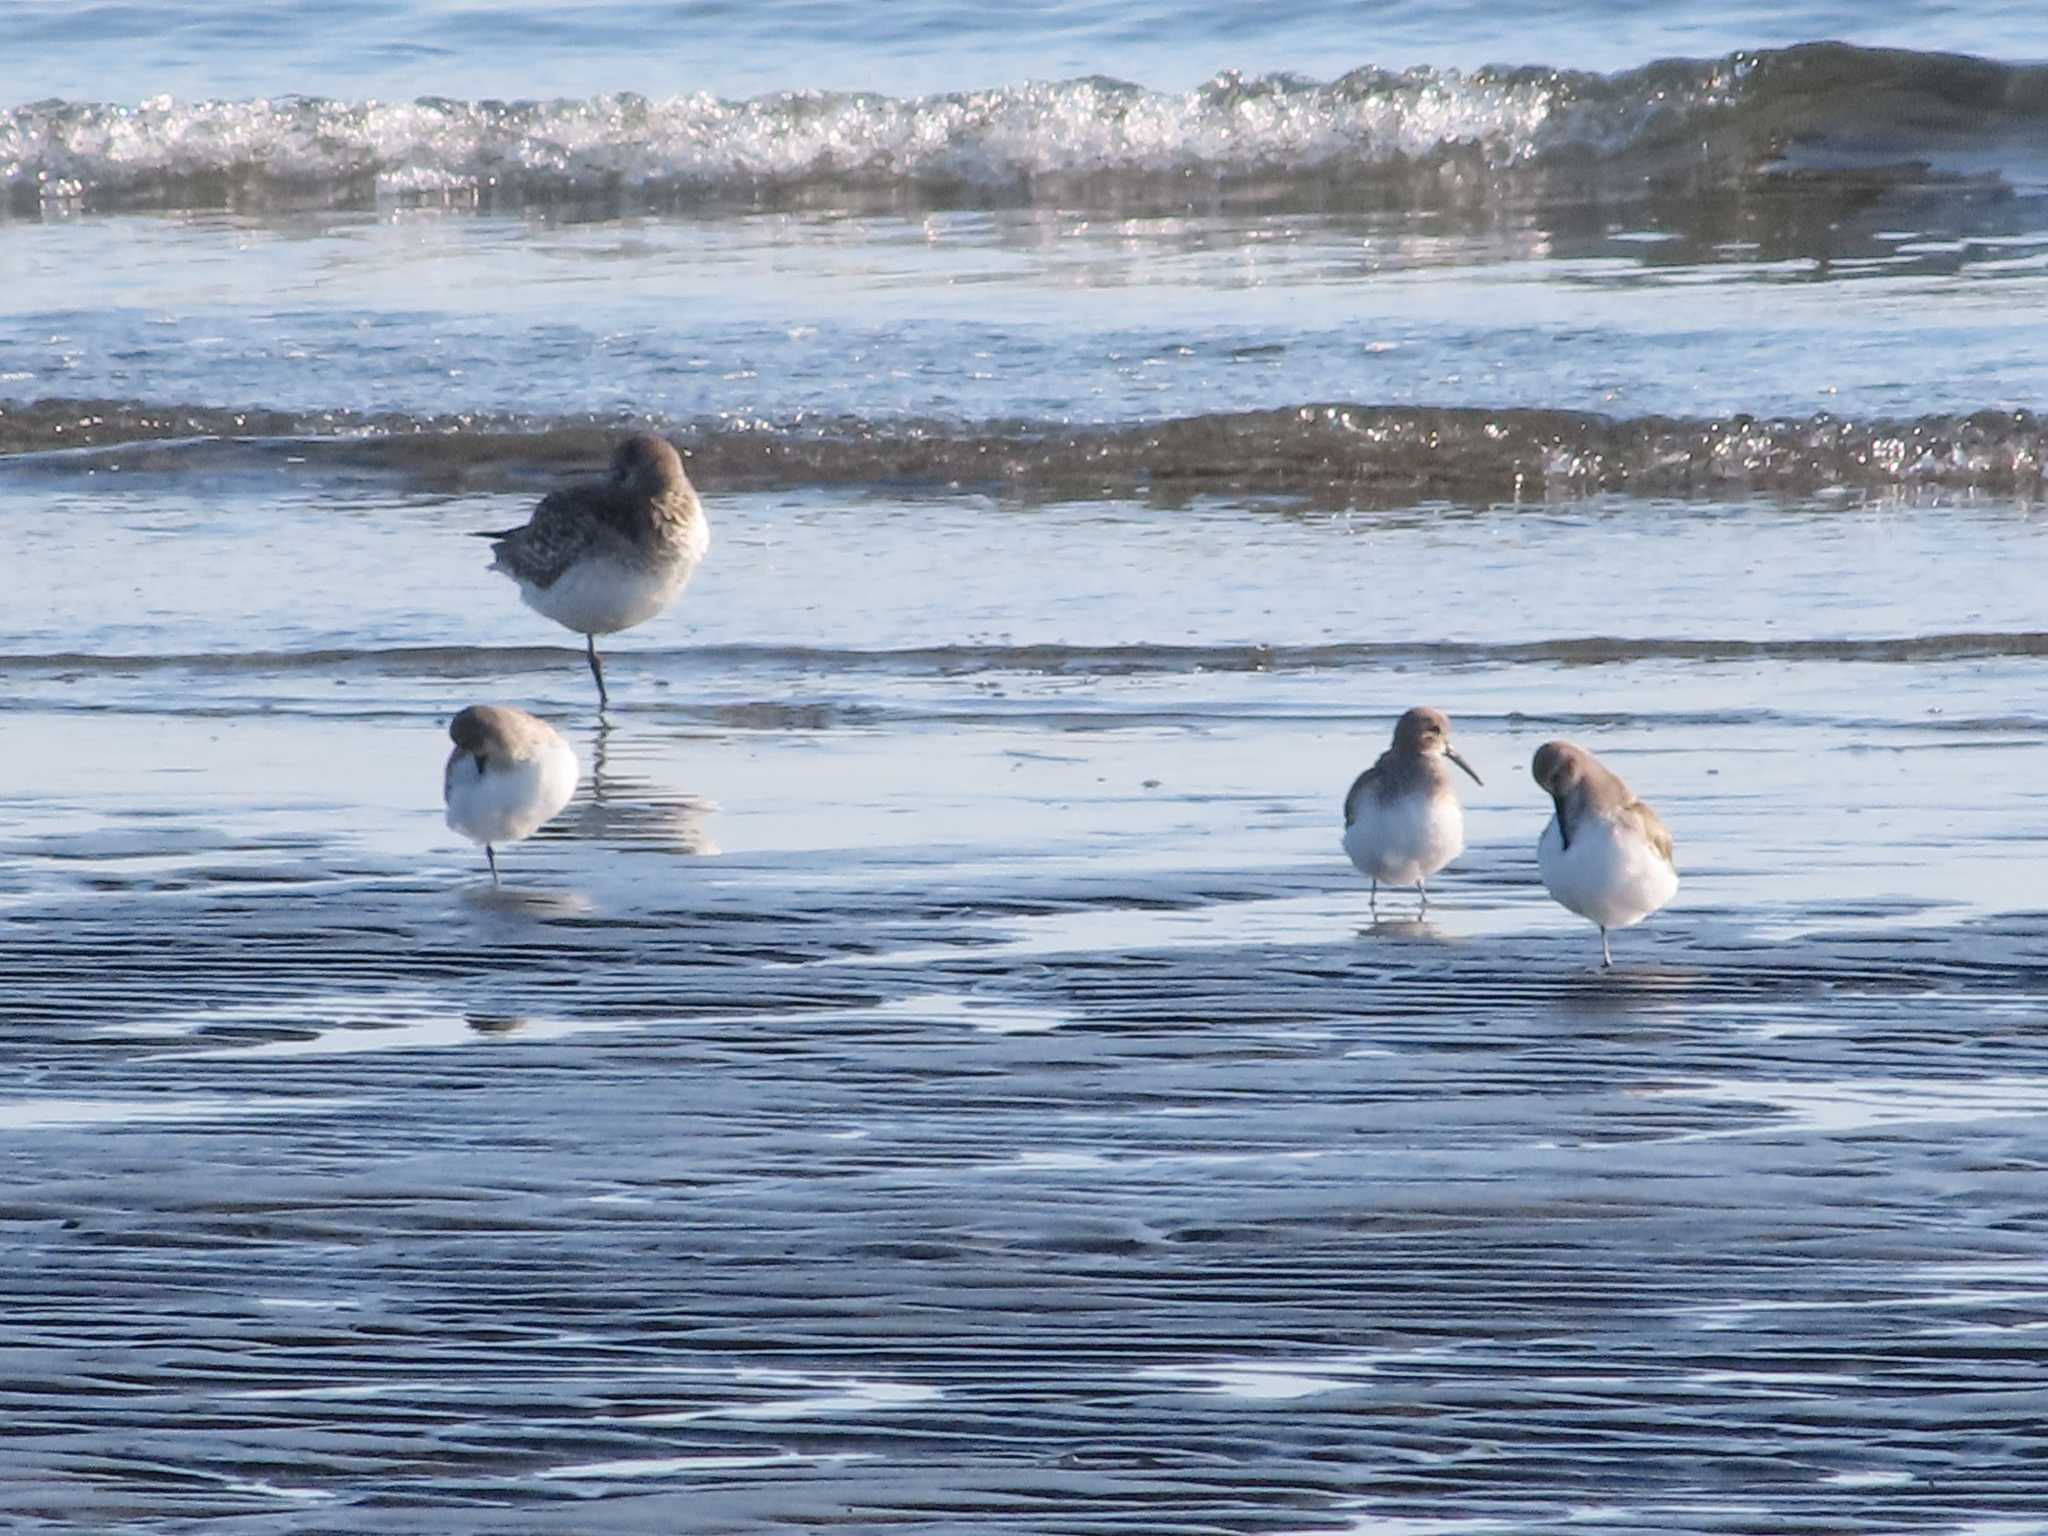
509,773
603,555
1402,820
1605,855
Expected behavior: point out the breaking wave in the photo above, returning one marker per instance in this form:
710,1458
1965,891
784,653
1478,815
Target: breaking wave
1425,135
1353,455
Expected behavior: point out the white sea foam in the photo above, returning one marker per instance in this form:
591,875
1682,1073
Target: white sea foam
1724,116
997,138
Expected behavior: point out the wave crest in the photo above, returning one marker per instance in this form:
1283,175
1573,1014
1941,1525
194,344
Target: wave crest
1432,133
1357,455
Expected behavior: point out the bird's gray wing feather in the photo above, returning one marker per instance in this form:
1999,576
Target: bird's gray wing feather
1359,787
560,532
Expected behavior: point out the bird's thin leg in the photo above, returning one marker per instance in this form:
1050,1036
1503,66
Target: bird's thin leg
1374,904
1423,887
1606,954
599,740
596,670
493,857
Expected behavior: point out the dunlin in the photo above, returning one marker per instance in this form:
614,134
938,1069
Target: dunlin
1605,855
509,773
603,555
1402,820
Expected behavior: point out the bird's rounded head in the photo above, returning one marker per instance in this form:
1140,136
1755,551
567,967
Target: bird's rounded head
1559,766
1423,730
649,465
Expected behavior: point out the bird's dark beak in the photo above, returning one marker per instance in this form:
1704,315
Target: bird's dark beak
1453,756
1564,834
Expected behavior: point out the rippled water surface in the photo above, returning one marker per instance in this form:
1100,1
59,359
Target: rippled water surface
1044,316
940,1073
527,48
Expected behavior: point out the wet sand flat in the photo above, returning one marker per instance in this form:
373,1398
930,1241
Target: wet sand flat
1034,1198
926,1086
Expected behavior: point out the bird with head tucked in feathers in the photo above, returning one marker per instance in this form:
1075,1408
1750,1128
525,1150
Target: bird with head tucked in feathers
1604,854
603,555
509,773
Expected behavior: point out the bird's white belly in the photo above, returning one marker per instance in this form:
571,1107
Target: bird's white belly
509,803
1408,840
1608,875
600,596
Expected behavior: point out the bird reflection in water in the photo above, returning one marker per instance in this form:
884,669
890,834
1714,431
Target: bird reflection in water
634,813
1640,992
1401,928
497,1023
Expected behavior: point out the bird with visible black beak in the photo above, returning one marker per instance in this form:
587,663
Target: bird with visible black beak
1402,818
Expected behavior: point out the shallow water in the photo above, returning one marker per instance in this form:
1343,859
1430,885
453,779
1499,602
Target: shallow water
974,317
940,1073
521,49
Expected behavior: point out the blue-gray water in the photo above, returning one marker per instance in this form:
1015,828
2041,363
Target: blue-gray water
941,1073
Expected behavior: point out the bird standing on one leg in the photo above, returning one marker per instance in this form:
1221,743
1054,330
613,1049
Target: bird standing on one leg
1604,854
1402,819
509,773
603,555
